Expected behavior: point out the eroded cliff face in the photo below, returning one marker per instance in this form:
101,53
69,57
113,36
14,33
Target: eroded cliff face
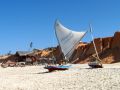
108,49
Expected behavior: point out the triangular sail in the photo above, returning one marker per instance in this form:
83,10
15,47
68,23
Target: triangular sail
67,39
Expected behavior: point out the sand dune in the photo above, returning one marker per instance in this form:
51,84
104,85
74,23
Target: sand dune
78,77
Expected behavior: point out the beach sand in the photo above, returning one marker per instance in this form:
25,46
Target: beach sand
78,77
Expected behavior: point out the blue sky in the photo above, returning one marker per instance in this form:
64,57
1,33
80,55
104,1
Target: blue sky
25,21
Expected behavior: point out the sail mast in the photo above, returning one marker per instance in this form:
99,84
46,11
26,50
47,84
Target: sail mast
94,42
58,39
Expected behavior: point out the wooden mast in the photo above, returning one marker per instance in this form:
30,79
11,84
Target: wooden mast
98,58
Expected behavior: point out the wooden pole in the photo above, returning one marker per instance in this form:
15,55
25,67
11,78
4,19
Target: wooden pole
94,43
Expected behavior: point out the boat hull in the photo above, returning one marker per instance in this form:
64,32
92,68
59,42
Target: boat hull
95,65
53,68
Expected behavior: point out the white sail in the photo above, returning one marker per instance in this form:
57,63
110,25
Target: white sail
67,39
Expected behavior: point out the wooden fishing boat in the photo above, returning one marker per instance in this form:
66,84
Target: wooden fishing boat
67,40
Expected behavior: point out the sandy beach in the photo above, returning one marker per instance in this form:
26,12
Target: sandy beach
78,77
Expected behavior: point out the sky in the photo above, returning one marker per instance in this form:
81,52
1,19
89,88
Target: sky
25,21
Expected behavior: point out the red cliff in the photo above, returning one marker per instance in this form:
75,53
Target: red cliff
108,49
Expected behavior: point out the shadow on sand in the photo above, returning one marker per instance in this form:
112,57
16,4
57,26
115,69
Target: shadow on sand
42,72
